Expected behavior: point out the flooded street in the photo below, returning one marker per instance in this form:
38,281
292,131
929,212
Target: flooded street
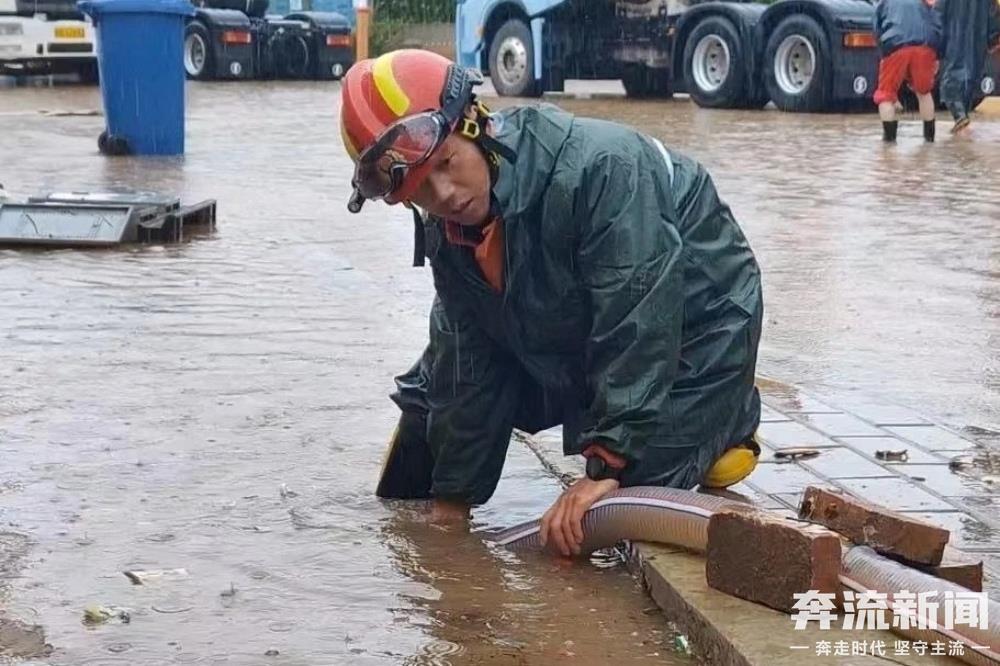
221,406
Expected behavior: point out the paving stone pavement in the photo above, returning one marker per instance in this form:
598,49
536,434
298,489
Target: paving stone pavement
849,429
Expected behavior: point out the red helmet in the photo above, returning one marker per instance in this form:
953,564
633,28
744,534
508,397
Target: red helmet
395,111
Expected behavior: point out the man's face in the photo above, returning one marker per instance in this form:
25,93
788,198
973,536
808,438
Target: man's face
457,188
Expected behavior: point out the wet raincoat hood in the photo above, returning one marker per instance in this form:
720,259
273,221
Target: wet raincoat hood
630,314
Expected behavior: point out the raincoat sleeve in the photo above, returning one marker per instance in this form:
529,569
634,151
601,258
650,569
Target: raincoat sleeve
472,398
629,260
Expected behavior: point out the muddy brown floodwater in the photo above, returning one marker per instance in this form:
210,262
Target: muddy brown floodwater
221,406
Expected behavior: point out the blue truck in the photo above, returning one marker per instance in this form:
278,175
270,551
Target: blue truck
803,55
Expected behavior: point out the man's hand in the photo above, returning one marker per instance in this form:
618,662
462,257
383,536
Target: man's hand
445,511
563,522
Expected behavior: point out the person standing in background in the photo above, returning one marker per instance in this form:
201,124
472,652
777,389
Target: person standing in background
909,34
971,30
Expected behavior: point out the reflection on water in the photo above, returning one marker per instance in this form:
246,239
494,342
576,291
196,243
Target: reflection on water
220,406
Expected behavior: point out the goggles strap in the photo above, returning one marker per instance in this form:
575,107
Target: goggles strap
419,239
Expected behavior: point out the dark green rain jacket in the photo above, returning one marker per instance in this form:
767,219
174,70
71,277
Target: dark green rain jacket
970,28
630,315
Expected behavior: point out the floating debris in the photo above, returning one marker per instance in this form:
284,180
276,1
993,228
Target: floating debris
102,614
960,463
143,577
230,593
896,456
271,653
286,492
682,645
797,453
57,113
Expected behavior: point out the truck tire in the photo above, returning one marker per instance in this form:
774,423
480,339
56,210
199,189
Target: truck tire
198,56
643,82
797,65
512,61
90,74
715,69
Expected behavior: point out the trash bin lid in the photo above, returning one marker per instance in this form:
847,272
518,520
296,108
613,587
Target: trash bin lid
97,8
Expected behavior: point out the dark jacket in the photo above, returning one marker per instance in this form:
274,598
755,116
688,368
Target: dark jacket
900,23
971,27
631,313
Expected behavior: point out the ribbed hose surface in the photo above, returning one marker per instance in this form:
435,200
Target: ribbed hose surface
863,569
665,515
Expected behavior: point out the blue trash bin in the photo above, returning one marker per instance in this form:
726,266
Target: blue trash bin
141,60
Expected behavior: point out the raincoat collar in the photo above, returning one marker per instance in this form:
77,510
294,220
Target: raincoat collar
536,135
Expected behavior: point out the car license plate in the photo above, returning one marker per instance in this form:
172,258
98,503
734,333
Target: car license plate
65,32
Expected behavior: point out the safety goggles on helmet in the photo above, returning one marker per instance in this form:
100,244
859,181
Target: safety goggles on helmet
410,142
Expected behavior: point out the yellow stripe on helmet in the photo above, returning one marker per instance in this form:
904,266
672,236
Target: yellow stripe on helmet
387,86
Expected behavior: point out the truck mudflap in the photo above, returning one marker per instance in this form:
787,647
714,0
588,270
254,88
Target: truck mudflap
230,38
78,219
332,49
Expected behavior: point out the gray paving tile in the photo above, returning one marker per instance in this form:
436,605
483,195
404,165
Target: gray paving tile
792,400
933,438
872,445
743,492
842,425
782,478
943,481
871,409
967,533
792,501
787,435
897,494
768,414
986,506
842,463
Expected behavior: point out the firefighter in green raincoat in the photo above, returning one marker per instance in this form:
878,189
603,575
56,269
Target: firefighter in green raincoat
586,276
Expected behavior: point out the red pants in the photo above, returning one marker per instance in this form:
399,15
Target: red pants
916,65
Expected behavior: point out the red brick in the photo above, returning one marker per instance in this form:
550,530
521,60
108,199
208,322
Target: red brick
960,568
767,558
887,532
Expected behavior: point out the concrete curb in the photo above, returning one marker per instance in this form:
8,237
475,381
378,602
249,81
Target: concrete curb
727,631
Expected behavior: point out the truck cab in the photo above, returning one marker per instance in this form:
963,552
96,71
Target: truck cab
802,55
46,37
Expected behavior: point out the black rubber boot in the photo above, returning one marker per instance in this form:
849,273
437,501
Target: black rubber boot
960,115
930,129
958,111
889,129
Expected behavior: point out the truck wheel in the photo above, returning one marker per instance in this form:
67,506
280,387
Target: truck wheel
643,82
198,54
512,61
797,65
90,74
715,71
